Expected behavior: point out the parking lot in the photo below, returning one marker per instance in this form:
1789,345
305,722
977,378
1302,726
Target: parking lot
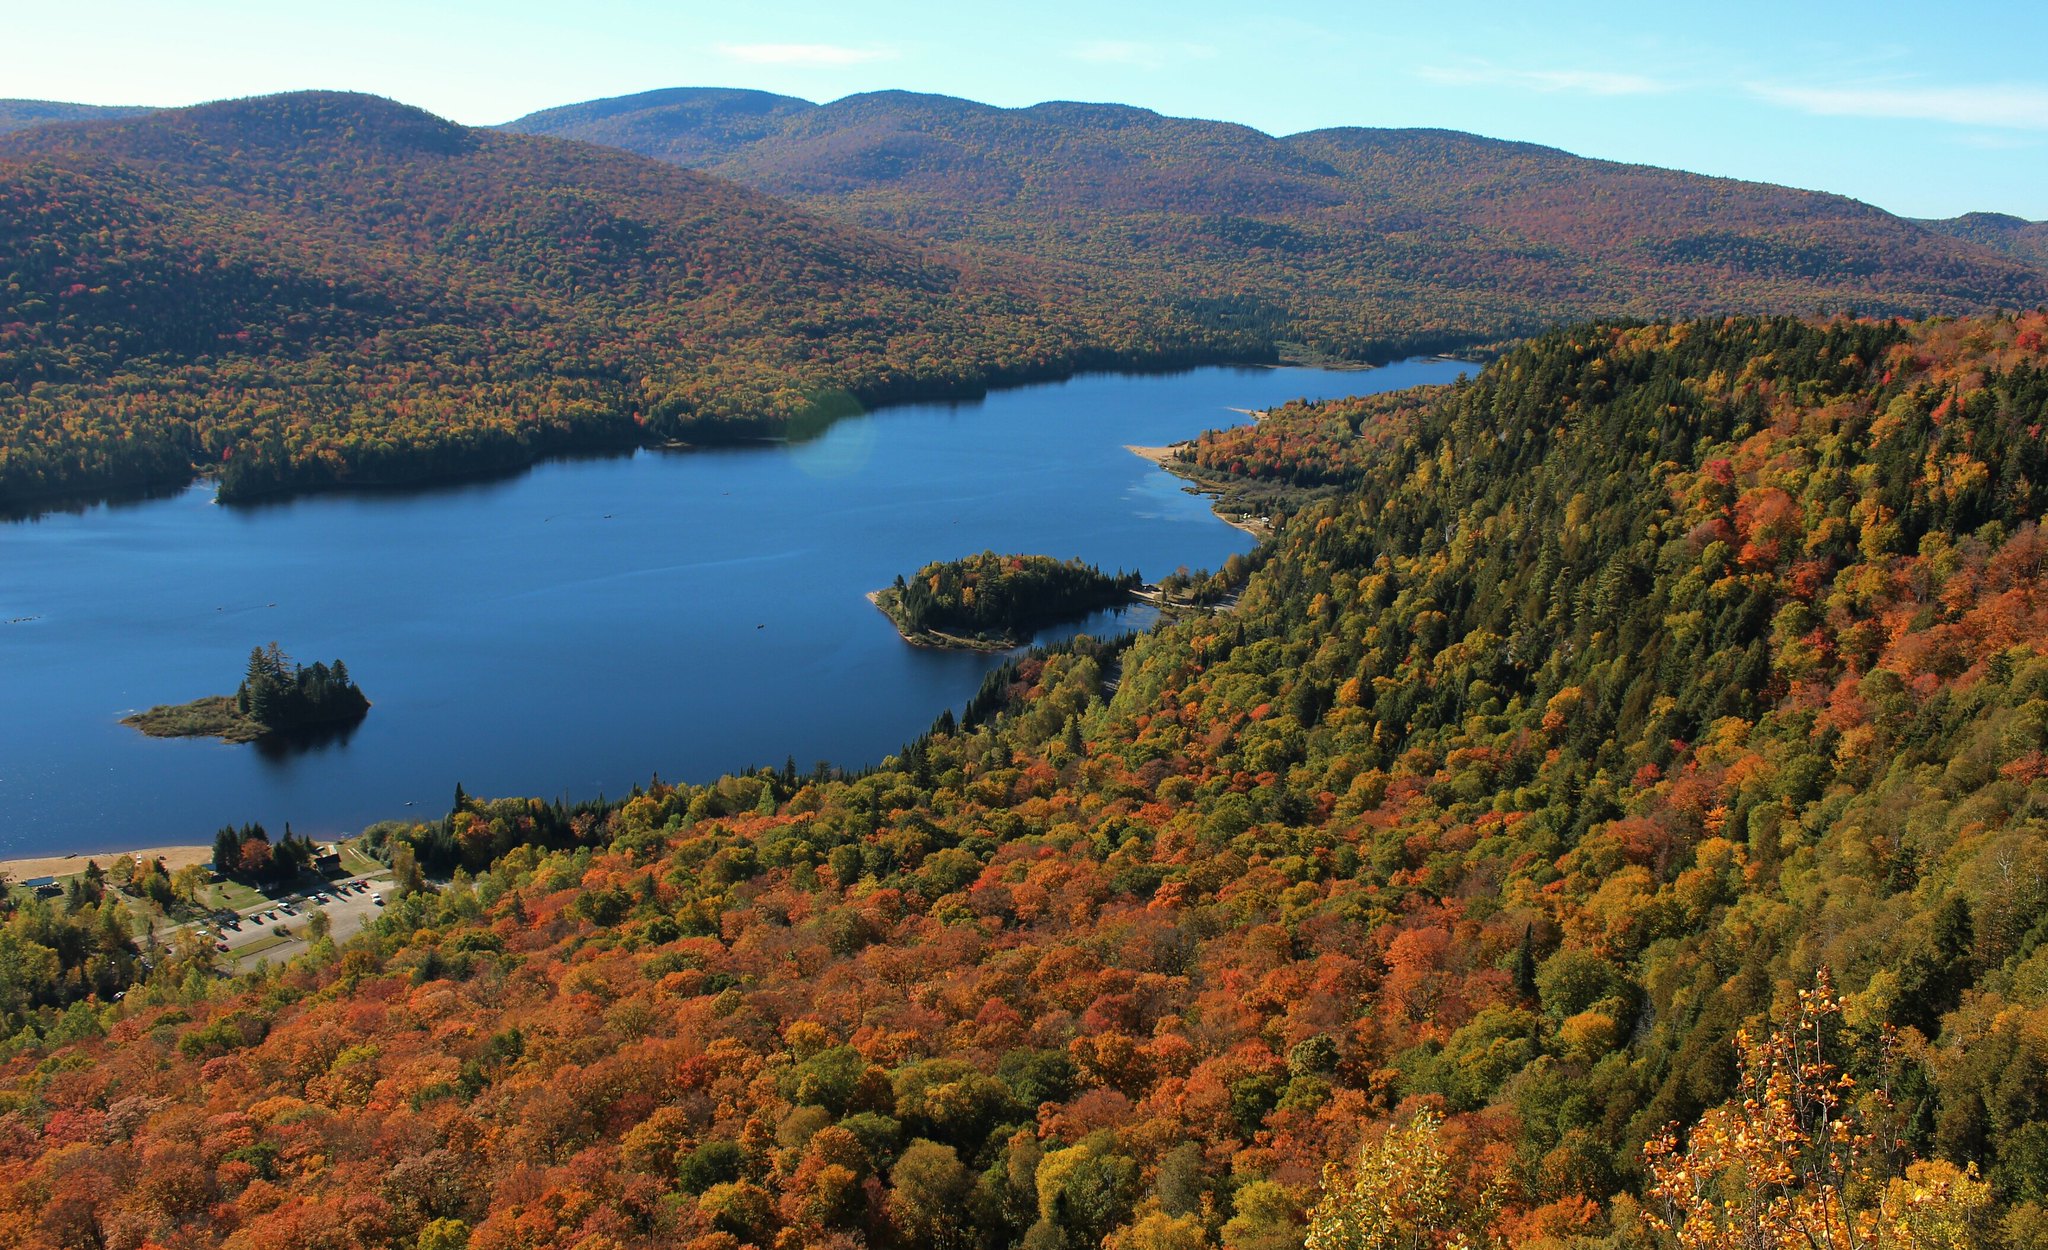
349,904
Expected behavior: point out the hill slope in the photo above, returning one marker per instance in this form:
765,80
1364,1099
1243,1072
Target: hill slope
322,289
1613,695
2015,236
1365,243
22,114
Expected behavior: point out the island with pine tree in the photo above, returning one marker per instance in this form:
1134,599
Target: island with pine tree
277,696
994,602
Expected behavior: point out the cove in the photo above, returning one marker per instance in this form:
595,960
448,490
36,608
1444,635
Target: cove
585,625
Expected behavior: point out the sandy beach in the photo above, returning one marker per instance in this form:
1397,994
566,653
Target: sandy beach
1166,458
174,857
1161,456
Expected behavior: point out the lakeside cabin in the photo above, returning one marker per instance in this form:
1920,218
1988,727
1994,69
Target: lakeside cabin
44,887
327,861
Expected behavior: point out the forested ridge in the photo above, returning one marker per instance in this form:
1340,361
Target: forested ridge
1663,686
328,290
2015,236
322,289
1355,242
23,114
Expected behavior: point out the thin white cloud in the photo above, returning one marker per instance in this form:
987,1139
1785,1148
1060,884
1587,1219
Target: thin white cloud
2010,106
801,53
1141,55
1998,142
1580,81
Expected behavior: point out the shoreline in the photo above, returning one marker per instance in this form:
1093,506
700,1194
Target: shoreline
215,716
83,495
932,640
78,496
70,865
1167,458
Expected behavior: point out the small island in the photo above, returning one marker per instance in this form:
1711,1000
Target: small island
994,602
277,696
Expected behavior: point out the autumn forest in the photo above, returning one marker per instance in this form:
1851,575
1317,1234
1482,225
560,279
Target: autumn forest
1609,812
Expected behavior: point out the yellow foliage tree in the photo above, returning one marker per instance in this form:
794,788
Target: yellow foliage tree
1401,1195
1791,1163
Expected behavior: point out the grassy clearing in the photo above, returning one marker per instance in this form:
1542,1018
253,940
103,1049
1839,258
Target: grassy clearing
268,942
231,894
214,716
357,863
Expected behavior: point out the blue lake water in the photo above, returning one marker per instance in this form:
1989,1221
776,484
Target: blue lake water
581,627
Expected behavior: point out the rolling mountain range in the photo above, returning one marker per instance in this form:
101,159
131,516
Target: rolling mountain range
324,289
1356,242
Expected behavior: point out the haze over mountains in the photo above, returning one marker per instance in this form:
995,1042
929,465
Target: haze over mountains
1358,242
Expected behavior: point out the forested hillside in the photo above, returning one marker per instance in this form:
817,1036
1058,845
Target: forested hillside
22,114
1615,703
323,289
1356,242
2015,236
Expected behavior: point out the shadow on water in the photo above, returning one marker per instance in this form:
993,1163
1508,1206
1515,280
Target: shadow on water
475,484
116,500
285,746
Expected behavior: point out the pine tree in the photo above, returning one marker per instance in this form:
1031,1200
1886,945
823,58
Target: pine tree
1525,963
227,851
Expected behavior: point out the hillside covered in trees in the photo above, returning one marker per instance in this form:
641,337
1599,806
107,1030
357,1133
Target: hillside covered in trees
22,114
1657,722
2015,236
329,290
322,289
1354,242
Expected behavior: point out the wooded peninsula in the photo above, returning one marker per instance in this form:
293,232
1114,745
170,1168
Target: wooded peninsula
992,603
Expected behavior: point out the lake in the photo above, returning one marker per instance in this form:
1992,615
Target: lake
583,626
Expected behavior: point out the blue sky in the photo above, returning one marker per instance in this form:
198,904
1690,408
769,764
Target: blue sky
1926,110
